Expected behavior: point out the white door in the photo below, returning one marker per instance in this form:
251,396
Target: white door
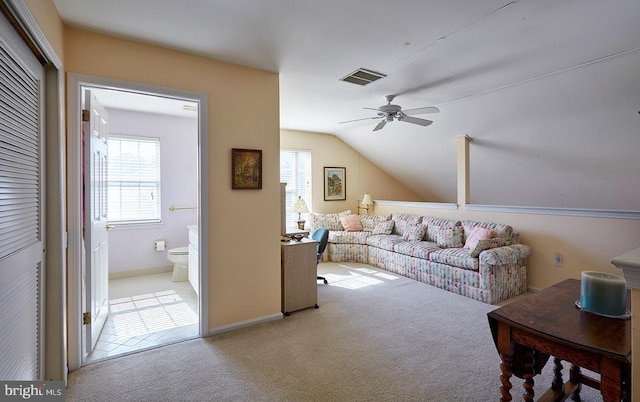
21,209
95,218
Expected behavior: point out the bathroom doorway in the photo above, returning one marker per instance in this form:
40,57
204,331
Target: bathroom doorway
148,305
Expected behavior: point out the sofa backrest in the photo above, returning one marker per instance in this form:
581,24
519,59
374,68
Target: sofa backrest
329,221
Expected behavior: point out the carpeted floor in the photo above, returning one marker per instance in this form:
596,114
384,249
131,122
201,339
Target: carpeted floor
375,337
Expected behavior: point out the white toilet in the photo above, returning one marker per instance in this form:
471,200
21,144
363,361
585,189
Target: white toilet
179,256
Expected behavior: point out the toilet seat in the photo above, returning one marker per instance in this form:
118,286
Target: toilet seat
179,251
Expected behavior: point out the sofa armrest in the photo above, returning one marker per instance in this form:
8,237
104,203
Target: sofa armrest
505,254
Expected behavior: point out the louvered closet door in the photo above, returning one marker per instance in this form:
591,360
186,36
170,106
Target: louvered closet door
21,209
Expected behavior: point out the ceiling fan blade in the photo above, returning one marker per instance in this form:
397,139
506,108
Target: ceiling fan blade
415,120
366,118
421,110
380,125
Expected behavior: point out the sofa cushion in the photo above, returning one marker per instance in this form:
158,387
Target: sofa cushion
351,223
345,237
450,237
402,221
385,227
329,221
385,242
414,233
501,230
369,222
418,249
458,257
477,233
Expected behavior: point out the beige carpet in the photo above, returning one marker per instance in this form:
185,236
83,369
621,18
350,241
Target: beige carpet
375,337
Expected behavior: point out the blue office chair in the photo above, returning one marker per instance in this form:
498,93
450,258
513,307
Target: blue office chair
321,235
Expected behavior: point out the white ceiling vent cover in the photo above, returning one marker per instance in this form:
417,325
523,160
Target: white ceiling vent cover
362,77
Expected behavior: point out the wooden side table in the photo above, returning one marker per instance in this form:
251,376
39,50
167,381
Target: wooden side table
528,331
298,275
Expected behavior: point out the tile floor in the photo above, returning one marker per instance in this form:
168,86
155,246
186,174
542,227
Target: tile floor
145,312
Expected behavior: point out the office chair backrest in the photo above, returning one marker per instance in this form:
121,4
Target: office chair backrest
321,235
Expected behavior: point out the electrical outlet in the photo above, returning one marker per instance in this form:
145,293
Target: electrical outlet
557,260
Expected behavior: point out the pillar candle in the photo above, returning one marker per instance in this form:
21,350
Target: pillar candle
603,293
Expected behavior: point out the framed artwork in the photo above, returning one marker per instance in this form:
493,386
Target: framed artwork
335,183
246,169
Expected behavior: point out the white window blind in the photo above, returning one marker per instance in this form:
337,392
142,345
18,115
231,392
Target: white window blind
133,180
295,170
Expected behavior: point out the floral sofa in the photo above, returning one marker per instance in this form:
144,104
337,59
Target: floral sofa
483,261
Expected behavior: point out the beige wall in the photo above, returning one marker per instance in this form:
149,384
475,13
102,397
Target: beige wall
362,175
46,15
244,273
243,112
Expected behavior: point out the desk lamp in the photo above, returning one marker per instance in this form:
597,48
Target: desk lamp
300,207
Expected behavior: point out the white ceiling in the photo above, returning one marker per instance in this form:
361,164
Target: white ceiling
434,53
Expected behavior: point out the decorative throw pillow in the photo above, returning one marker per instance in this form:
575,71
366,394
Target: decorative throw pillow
385,227
351,223
414,233
482,245
477,234
432,232
450,237
369,222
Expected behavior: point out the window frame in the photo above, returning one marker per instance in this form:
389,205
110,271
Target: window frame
293,191
156,184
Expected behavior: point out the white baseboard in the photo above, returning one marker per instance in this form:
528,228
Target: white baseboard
141,271
244,324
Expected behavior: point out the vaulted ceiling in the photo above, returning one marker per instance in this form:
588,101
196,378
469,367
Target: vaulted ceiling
535,83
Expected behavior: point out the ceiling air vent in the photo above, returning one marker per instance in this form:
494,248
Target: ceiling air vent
362,77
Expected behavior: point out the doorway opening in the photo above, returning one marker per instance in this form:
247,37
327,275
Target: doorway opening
145,298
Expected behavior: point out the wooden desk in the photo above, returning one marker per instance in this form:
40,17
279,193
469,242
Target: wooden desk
526,332
299,271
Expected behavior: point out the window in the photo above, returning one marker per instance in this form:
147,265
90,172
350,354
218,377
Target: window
133,175
295,170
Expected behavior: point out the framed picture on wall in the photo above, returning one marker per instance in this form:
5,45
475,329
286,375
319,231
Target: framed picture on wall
335,183
246,169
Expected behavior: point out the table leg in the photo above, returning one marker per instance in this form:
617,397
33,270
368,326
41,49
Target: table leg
529,372
611,381
558,383
505,387
574,377
505,349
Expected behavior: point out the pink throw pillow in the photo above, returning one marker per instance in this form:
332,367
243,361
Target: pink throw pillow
351,223
476,235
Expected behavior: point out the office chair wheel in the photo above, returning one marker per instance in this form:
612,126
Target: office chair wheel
326,281
316,306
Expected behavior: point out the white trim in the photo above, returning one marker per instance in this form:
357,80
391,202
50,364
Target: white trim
38,38
629,262
244,324
585,213
74,83
411,204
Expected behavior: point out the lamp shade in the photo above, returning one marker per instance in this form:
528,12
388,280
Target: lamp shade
366,199
300,207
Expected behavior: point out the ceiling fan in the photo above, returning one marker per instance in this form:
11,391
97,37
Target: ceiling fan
388,113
